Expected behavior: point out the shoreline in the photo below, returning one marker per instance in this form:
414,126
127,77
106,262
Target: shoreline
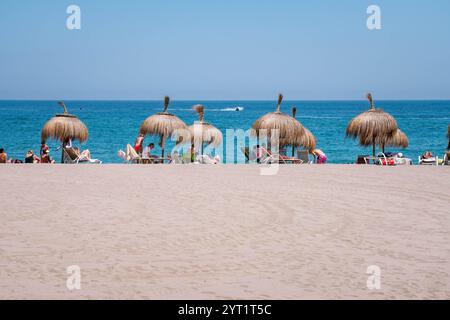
224,232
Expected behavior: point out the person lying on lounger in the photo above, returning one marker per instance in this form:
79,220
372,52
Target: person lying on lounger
129,155
85,153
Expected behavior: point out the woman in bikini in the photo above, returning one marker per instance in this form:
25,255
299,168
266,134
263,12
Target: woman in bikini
138,145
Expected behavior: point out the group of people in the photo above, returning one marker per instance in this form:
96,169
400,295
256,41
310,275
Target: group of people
146,153
30,157
44,154
138,150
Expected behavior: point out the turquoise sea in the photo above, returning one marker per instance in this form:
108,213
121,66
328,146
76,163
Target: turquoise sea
113,124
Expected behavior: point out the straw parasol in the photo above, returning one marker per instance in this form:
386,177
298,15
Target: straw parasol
64,126
307,140
203,132
399,139
162,124
372,127
289,129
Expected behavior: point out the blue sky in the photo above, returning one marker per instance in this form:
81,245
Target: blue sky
210,49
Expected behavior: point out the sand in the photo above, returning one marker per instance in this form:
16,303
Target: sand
224,232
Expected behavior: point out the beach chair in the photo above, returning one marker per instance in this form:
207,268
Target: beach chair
446,161
70,156
303,155
384,160
362,159
433,161
269,158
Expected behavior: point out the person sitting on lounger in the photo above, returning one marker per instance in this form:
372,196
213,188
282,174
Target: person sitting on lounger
147,152
320,155
44,147
45,158
427,155
3,156
85,153
30,157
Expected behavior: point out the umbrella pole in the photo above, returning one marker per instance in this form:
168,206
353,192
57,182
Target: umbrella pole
293,152
373,149
163,140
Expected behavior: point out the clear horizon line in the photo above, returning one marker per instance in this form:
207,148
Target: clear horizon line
230,100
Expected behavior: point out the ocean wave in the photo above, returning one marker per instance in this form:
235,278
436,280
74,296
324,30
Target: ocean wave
232,109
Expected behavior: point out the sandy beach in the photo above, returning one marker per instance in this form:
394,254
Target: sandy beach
224,232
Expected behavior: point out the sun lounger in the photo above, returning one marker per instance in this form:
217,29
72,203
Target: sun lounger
433,161
70,156
269,158
362,159
446,159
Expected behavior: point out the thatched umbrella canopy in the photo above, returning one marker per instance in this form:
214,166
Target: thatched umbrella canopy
289,129
399,139
163,124
202,132
307,140
372,127
64,126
